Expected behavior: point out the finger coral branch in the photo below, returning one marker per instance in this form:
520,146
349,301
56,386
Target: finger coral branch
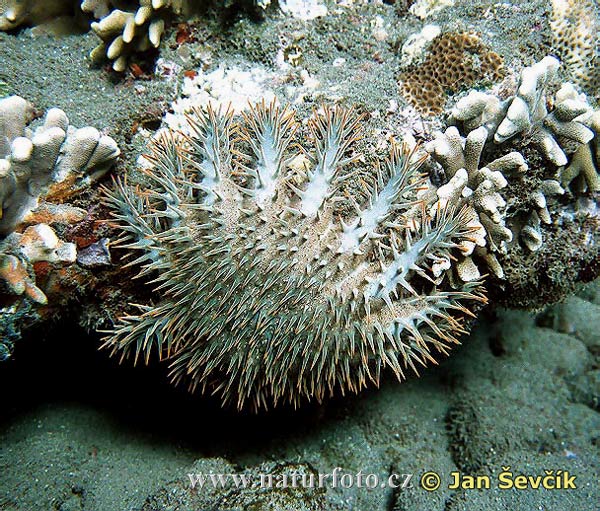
478,187
134,28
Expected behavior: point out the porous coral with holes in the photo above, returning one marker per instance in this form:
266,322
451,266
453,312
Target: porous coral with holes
453,61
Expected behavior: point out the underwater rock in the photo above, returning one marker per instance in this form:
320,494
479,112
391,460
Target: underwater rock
40,243
180,494
96,255
16,279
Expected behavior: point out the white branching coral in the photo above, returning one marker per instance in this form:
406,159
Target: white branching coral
529,104
15,114
564,134
134,27
36,162
478,187
583,167
98,8
274,286
54,152
526,113
124,26
531,232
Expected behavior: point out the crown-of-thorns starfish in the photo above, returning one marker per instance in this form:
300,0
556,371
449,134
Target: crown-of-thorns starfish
264,291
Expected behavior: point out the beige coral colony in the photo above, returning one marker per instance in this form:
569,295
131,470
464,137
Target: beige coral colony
273,284
127,31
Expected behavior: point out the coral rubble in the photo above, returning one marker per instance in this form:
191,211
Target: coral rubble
305,10
425,8
273,285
